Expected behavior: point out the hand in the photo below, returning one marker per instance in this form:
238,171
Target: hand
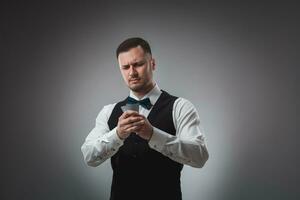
145,129
128,122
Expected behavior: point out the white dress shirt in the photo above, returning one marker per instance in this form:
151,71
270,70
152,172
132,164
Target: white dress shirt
186,147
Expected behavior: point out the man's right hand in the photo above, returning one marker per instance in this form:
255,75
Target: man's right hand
129,122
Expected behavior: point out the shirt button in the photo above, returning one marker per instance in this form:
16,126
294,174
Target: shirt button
155,146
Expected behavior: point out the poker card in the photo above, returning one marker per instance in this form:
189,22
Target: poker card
134,107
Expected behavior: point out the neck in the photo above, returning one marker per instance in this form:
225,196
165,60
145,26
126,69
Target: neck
141,94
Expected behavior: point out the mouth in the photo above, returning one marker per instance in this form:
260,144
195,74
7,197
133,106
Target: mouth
134,80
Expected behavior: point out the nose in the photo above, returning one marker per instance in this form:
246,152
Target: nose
132,71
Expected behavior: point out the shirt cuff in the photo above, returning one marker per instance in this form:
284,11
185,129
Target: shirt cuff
113,138
158,139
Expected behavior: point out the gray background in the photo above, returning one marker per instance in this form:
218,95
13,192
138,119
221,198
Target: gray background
237,63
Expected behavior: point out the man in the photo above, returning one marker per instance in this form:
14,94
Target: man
147,148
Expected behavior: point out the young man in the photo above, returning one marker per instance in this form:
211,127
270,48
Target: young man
147,148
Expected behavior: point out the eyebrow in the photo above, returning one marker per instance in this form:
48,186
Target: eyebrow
137,62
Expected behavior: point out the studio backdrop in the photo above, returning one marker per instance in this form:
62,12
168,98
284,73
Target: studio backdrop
237,63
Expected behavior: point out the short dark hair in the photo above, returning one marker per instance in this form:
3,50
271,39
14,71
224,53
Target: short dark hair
130,43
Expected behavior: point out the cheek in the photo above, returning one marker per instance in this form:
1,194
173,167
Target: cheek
143,71
124,75
148,72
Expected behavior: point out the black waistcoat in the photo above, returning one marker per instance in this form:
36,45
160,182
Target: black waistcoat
140,172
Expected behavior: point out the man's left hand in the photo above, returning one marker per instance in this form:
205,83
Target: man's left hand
146,129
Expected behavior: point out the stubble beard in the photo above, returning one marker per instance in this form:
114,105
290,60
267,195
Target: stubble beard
143,87
138,87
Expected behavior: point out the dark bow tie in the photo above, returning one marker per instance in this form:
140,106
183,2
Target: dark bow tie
144,103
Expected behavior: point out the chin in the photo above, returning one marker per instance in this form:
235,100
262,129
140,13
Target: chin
136,88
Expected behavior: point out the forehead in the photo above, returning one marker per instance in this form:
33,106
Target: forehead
132,55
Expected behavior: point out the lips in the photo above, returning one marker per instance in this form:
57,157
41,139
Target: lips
134,80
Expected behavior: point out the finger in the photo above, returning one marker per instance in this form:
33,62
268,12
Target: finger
131,113
123,116
131,120
142,116
139,123
129,125
132,129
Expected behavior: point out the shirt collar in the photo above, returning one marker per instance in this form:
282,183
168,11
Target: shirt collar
153,94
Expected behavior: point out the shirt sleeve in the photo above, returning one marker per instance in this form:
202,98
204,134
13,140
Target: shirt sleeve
101,143
188,146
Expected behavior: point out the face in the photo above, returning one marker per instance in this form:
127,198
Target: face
137,69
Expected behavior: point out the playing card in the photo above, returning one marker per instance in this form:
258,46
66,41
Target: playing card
134,107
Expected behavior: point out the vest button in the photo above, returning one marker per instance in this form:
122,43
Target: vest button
134,155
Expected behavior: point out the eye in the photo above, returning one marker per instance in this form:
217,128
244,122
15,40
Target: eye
140,63
125,66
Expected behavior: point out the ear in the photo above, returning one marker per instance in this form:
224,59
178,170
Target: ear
153,64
